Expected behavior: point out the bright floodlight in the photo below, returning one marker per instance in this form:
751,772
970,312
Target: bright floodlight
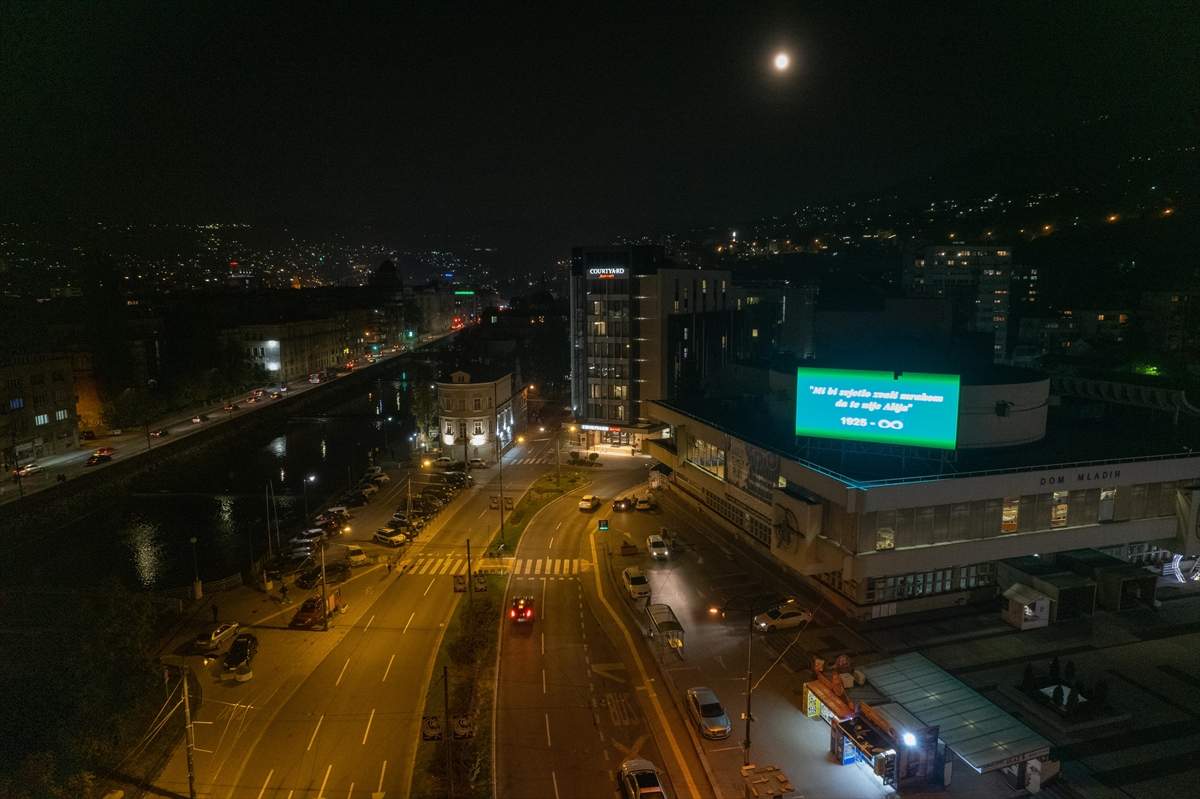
782,61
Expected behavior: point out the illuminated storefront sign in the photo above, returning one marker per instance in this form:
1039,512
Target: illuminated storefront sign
601,427
606,272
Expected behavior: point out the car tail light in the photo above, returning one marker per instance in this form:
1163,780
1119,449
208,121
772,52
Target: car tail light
528,613
512,614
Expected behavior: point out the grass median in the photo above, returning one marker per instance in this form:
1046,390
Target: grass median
468,656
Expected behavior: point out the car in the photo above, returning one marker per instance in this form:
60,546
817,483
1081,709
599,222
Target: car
432,500
354,499
477,463
280,566
162,431
521,610
635,582
105,451
252,399
87,435
460,479
622,504
257,393
30,469
371,470
299,552
646,503
442,461
276,395
337,511
116,431
639,779
230,407
241,652
355,556
97,459
390,538
781,617
657,547
311,611
367,489
707,713
216,635
283,389
308,538
335,572
589,502
198,418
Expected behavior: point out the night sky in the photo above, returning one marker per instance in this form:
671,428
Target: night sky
543,129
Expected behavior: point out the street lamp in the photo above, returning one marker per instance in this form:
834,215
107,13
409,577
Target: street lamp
312,478
744,606
197,586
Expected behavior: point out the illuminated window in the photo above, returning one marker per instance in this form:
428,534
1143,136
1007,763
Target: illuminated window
754,333
41,419
885,538
1058,508
478,427
599,329
449,428
60,415
1009,514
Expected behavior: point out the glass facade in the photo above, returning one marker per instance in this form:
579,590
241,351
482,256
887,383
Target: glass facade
708,457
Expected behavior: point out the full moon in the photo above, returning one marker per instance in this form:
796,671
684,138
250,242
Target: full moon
782,61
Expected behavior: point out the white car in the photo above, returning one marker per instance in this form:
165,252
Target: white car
380,478
390,538
635,582
589,502
657,547
477,463
373,470
367,489
28,469
355,556
644,503
442,461
213,638
308,538
781,617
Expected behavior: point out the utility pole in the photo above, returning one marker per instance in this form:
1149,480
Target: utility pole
349,479
324,596
557,461
191,738
470,589
447,731
749,690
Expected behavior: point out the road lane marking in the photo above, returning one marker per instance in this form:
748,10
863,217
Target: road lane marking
548,744
389,667
321,791
537,567
637,659
382,770
342,674
482,513
410,618
543,643
554,779
431,582
543,681
558,525
367,731
551,546
350,792
368,624
263,789
314,735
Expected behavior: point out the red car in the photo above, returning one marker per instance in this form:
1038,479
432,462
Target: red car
522,609
105,451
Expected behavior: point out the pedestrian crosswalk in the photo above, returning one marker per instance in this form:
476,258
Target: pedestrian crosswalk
531,461
519,567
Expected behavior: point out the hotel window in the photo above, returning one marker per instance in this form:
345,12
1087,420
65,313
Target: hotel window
620,392
599,329
620,414
1058,508
885,538
596,307
478,426
41,419
1009,514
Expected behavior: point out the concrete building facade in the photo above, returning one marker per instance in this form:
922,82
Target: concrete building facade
37,407
479,416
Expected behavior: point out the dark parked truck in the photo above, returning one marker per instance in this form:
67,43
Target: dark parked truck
310,615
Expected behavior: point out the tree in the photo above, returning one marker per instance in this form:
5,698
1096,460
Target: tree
593,457
1054,669
1073,699
1057,696
424,407
1070,672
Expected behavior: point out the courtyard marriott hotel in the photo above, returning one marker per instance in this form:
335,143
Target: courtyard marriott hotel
894,492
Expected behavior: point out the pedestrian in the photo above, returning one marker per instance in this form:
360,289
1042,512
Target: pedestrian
215,613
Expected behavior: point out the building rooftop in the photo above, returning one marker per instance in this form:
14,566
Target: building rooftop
1077,433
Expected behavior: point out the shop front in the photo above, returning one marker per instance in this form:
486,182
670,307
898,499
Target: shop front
897,748
623,437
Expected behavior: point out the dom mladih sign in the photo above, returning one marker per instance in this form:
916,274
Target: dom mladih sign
905,408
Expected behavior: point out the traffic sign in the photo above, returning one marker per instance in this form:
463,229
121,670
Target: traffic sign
602,525
463,728
480,583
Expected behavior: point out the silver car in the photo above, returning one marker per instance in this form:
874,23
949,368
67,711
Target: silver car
708,714
639,780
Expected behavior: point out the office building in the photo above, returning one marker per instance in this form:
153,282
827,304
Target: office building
641,328
975,278
1170,320
288,351
37,407
881,530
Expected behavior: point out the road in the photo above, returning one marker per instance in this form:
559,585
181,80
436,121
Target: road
337,713
572,704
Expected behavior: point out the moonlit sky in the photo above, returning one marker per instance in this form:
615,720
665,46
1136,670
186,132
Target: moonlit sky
539,129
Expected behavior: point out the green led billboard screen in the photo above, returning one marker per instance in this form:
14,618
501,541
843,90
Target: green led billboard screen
907,408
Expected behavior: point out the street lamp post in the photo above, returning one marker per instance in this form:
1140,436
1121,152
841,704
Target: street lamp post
197,586
312,478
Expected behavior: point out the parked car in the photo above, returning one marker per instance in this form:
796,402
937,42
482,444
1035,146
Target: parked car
639,779
355,556
162,431
635,582
646,503
377,479
97,459
368,488
477,463
308,538
707,713
87,435
216,635
373,470
657,547
337,511
241,652
335,572
782,617
442,461
622,504
390,538
312,612
30,469
299,552
354,499
230,407
589,502
198,418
